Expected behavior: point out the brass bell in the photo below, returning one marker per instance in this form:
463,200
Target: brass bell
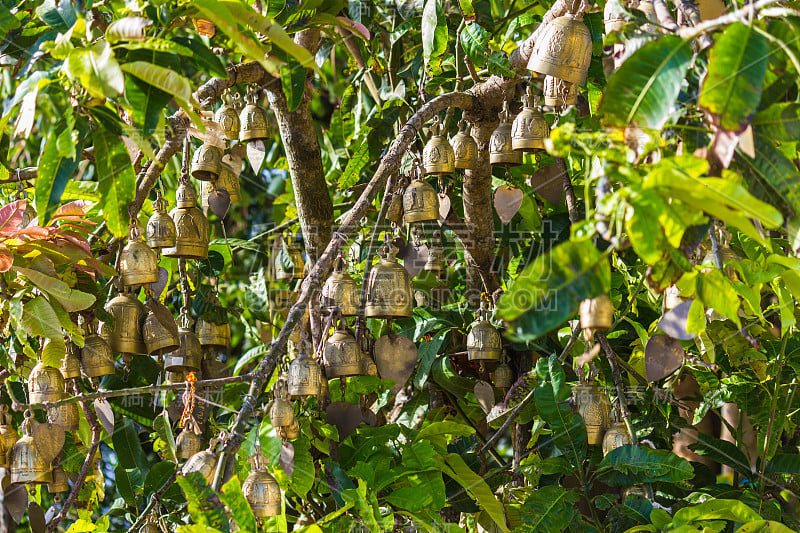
191,225
438,156
281,411
341,290
304,376
503,376
206,162
595,410
436,261
59,483
228,119
138,263
150,527
464,147
128,313
615,437
97,359
395,211
420,202
559,93
388,288
160,231
290,432
71,365
26,464
66,416
45,384
342,355
213,335
189,442
530,128
501,151
8,435
227,180
261,490
564,50
158,338
174,376
483,340
205,462
295,266
189,356
254,121
597,313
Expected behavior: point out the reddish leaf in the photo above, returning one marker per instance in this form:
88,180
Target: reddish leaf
11,217
6,260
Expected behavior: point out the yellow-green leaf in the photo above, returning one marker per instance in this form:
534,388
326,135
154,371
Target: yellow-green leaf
70,299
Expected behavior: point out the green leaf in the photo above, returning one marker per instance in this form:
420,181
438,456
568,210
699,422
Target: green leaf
629,465
736,67
716,291
117,181
355,165
788,463
475,41
205,59
434,30
71,300
764,526
128,29
128,480
129,450
158,475
205,507
8,21
723,452
457,469
231,495
549,509
774,170
719,509
549,290
161,425
146,103
293,82
55,172
779,122
162,78
654,224
39,320
58,14
96,69
551,399
279,37
643,90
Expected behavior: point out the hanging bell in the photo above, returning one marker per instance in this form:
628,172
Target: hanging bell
138,263
8,435
160,231
438,156
530,128
158,338
191,226
559,93
45,384
188,442
97,359
501,151
189,356
464,147
341,290
213,335
503,376
564,50
342,355
420,202
26,464
229,181
205,462
228,119
66,416
126,335
436,261
261,490
388,288
149,528
254,121
615,437
597,313
483,340
281,412
206,162
394,213
290,432
289,265
595,410
71,364
59,483
304,376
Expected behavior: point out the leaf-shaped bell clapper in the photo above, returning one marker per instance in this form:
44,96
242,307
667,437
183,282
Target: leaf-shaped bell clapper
189,355
389,292
281,411
138,263
483,341
420,202
305,376
501,150
438,156
342,355
261,490
189,441
615,437
97,359
206,162
45,384
595,410
26,463
559,93
464,147
71,364
159,337
126,335
191,225
59,483
436,261
254,121
563,50
530,128
160,230
341,291
597,313
503,376
228,119
213,335
67,416
8,435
